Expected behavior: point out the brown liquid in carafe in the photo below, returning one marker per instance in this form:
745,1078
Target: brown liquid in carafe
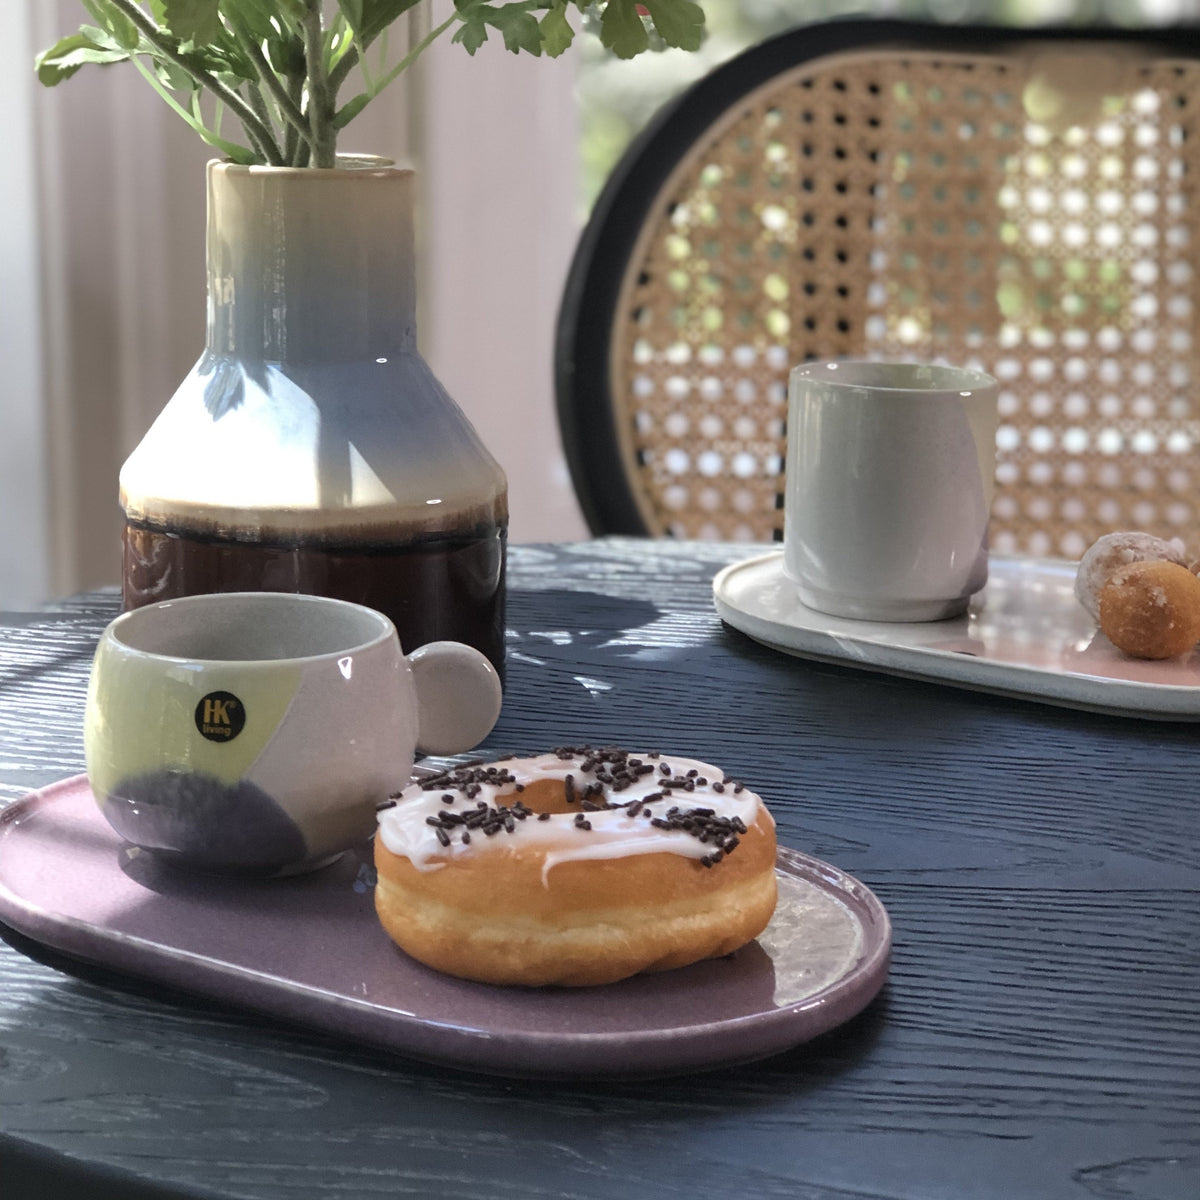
447,585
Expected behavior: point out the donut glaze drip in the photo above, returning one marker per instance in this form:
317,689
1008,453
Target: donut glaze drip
574,804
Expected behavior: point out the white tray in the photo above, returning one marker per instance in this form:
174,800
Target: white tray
1024,635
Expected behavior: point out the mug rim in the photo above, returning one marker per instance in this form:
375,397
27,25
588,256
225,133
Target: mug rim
115,629
825,371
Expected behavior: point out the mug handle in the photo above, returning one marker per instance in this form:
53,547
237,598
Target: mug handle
458,697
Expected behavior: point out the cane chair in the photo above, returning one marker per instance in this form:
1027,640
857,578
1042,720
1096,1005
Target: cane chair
1024,202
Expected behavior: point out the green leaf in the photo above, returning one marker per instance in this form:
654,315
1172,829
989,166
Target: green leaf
114,22
352,10
65,57
339,38
173,76
515,22
100,37
351,109
518,26
472,34
254,16
231,150
622,29
196,21
286,55
679,22
557,33
369,18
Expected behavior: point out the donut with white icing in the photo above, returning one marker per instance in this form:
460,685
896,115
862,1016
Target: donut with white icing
578,867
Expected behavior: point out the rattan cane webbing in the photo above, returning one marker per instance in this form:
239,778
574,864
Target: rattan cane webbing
922,206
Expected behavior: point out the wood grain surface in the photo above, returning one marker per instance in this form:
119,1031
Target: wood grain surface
1039,1037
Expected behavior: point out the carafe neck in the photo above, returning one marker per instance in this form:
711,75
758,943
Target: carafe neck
309,264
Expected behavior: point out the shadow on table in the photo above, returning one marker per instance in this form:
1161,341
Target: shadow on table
584,621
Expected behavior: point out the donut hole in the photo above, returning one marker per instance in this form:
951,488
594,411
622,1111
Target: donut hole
541,796
1152,610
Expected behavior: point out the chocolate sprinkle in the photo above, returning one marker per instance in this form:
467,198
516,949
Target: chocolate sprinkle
708,828
612,770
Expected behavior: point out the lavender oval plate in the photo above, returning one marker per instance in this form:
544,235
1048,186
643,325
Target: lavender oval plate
310,950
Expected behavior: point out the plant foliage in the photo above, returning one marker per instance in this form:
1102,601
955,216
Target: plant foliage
278,66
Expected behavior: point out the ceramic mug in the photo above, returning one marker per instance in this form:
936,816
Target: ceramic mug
890,475
257,732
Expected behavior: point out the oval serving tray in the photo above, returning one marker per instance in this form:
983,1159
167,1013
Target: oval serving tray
310,950
1024,635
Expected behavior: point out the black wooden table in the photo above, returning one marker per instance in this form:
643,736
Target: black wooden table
1039,1036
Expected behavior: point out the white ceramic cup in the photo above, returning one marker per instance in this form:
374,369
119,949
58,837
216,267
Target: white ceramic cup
257,732
890,474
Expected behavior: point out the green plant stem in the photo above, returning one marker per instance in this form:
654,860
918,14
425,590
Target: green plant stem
258,103
198,115
288,108
292,138
409,58
209,136
323,135
260,106
232,100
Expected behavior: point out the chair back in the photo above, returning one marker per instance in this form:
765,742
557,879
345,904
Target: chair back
1024,202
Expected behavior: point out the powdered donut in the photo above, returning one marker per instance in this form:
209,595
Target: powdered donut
1151,610
577,867
1116,550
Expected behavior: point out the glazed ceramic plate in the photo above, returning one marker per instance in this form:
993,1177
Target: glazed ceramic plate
1024,635
310,950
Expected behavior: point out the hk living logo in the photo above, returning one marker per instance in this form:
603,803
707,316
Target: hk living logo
220,716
